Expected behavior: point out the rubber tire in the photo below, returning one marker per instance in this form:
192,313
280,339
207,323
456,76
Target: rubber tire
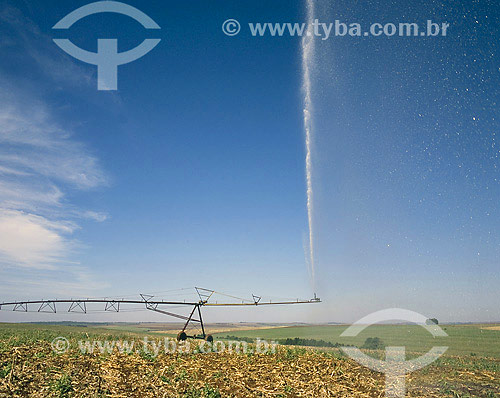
182,336
209,338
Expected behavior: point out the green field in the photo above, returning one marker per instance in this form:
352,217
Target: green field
462,340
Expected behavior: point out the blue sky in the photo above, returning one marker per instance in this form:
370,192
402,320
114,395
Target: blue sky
192,173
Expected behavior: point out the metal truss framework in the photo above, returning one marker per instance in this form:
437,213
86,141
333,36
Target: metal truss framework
80,306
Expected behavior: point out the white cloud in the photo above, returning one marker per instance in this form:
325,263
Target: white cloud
29,240
39,162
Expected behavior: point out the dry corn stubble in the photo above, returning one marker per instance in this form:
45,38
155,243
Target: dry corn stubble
38,372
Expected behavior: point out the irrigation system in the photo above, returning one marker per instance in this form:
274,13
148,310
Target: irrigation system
194,317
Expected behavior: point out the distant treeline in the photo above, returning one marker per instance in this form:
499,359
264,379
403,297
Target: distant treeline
294,341
310,343
245,339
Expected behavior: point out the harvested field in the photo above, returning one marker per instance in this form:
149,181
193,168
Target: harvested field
491,328
28,371
29,367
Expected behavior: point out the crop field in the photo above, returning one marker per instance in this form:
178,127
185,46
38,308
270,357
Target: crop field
29,366
463,340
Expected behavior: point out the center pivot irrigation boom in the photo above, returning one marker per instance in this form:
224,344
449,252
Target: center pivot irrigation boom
194,317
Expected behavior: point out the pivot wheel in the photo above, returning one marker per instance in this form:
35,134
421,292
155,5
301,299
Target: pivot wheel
209,338
182,336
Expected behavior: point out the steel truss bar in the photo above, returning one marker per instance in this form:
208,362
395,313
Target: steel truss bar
172,314
78,306
99,301
156,303
21,307
48,304
182,334
153,306
149,304
204,294
201,322
191,318
263,303
112,306
146,297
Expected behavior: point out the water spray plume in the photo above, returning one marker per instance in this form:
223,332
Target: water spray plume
307,60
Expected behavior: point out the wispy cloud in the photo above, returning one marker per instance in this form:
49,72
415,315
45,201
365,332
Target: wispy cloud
39,160
70,281
38,147
27,41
